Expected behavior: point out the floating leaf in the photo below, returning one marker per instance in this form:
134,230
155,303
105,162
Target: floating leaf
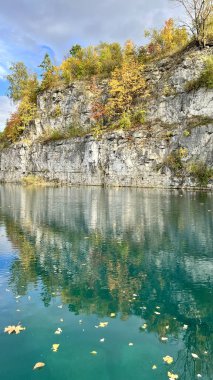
167,327
60,306
164,338
172,376
157,313
58,331
130,344
144,326
112,315
168,359
55,347
39,365
102,340
154,367
195,356
103,324
93,352
14,329
199,375
185,327
61,320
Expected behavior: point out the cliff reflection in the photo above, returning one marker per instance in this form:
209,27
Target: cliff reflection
123,251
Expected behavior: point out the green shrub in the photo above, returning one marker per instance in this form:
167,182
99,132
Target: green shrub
200,172
173,161
125,121
205,79
53,135
138,117
186,133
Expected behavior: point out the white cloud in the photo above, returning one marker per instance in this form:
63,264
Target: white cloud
3,72
25,26
6,108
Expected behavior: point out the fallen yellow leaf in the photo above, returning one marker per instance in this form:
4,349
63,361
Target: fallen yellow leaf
154,367
14,329
55,347
168,359
93,353
103,324
144,326
172,376
112,315
58,331
39,365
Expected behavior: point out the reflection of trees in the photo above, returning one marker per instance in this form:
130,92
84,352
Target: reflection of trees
96,265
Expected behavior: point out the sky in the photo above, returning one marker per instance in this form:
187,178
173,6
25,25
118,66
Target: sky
30,28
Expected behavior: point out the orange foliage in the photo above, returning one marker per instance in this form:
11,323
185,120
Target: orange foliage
13,127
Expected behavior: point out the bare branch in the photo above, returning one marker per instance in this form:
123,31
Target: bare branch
199,13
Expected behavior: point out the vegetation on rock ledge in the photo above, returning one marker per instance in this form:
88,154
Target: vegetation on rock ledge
121,67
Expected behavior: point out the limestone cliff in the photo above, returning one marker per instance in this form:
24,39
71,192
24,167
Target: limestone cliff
174,148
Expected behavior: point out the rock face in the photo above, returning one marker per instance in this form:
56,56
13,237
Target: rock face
178,133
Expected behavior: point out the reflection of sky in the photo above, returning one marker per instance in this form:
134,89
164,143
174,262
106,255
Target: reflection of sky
7,255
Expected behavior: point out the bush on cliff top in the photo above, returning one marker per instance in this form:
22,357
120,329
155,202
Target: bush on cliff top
205,79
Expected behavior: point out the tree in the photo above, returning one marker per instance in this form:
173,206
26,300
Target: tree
169,39
74,50
17,81
126,86
46,64
110,57
199,13
50,75
23,88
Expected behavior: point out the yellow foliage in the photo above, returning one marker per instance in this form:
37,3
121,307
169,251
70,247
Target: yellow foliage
51,78
126,85
167,40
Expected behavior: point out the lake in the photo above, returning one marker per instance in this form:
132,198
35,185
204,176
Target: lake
121,279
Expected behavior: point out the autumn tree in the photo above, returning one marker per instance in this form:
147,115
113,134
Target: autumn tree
50,74
23,88
199,13
17,79
110,57
126,87
167,40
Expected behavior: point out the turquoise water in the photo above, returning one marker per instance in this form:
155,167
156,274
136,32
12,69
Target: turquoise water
72,258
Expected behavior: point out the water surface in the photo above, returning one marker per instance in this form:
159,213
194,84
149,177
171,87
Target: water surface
72,258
